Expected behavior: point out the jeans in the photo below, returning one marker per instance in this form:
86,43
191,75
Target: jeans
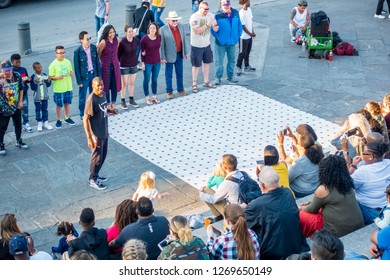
179,73
195,8
220,51
157,15
369,214
139,37
87,84
98,157
99,22
151,70
25,107
17,120
41,112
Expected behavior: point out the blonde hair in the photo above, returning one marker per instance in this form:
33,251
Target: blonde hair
375,108
134,249
146,181
180,228
218,170
386,102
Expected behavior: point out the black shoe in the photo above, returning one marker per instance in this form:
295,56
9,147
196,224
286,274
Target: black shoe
214,220
123,105
133,103
19,143
2,150
101,179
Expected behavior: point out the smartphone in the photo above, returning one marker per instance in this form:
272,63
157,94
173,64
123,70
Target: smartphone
163,243
284,131
351,132
260,161
216,231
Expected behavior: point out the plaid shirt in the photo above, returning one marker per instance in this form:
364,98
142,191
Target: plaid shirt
224,247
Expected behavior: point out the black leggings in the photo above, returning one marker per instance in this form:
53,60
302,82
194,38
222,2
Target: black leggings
17,120
379,7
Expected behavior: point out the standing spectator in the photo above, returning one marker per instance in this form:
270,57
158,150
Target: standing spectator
226,38
299,19
11,103
173,49
201,53
101,14
279,234
8,228
92,239
39,84
16,63
379,9
128,64
142,18
149,228
61,73
86,67
150,54
245,43
158,7
96,128
238,243
195,5
109,64
380,248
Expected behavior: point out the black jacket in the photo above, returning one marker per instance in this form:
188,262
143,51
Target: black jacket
138,15
274,216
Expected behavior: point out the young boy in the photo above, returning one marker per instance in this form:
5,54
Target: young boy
61,72
16,62
39,84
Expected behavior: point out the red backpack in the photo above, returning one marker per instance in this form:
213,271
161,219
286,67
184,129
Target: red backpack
344,48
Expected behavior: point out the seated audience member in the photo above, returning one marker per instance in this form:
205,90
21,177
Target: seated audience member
299,19
218,176
65,229
334,205
386,111
134,249
279,234
376,111
375,137
149,229
34,253
326,246
8,228
18,247
238,243
83,255
182,244
227,191
356,138
271,158
92,239
383,220
303,173
374,124
299,257
380,247
371,179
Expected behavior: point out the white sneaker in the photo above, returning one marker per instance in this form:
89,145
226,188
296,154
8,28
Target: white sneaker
39,126
47,125
379,16
27,128
96,185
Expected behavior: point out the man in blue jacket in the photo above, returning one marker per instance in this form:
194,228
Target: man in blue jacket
226,38
86,67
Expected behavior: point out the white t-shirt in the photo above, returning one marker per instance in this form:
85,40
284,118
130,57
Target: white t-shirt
201,40
149,193
41,256
246,18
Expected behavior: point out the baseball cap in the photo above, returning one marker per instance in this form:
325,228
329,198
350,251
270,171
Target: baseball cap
18,245
6,66
227,3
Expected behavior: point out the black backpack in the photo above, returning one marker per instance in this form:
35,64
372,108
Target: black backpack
248,189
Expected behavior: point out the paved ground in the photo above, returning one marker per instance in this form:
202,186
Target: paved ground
48,182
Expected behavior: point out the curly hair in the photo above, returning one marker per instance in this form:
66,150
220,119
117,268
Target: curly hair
105,32
374,124
333,173
134,249
375,108
125,213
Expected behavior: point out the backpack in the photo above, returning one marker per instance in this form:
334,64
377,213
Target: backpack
336,39
344,48
248,189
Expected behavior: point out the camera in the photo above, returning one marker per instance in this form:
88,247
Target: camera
351,132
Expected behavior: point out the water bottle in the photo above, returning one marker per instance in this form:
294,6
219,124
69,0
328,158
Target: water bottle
330,55
303,45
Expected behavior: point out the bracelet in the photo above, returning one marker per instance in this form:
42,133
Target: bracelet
107,14
353,166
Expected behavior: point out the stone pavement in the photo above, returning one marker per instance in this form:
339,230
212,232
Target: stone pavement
48,182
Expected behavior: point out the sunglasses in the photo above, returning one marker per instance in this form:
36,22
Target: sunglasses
174,20
206,9
88,39
367,154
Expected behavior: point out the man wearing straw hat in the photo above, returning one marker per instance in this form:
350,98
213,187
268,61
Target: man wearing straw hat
173,50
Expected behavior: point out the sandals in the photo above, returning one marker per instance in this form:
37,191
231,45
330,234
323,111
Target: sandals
209,85
148,101
194,87
155,100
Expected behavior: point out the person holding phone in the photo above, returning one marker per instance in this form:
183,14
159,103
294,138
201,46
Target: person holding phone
238,243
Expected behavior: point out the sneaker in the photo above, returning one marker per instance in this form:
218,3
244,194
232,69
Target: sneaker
133,103
27,128
123,105
96,185
389,16
2,149
47,126
379,16
232,80
170,95
238,71
217,82
249,69
58,124
69,121
39,126
101,179
293,39
19,143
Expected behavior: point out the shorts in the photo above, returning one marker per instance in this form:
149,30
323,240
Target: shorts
129,70
62,98
199,55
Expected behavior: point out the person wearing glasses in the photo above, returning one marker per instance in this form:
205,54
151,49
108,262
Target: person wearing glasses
371,179
86,67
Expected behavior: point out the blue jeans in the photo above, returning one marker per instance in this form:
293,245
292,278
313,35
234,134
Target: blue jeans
195,8
220,51
87,83
157,15
151,70
41,112
25,107
99,22
179,73
369,214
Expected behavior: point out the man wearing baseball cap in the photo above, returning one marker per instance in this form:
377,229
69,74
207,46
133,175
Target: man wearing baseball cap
18,247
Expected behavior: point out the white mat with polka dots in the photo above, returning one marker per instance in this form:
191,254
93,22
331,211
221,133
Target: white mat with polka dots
186,136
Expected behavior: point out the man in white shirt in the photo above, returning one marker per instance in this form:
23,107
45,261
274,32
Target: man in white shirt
299,19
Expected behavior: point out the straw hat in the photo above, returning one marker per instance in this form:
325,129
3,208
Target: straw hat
172,15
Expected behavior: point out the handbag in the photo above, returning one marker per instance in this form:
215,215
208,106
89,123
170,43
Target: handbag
136,29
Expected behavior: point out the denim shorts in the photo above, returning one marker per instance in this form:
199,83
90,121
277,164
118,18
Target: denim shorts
129,70
63,98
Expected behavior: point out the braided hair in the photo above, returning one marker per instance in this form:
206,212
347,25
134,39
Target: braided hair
134,249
